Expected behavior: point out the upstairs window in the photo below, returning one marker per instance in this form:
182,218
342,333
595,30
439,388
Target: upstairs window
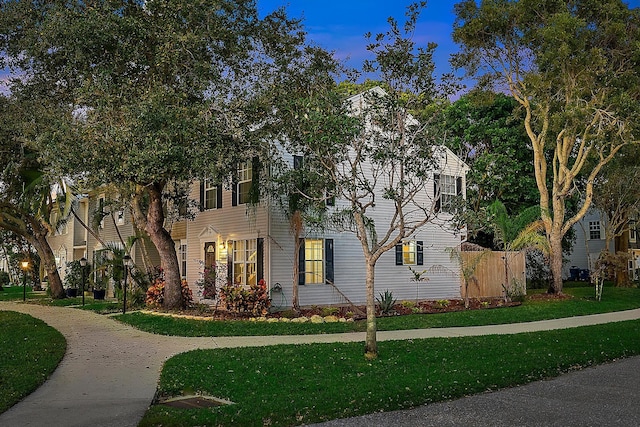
245,176
120,217
245,183
210,195
445,189
595,230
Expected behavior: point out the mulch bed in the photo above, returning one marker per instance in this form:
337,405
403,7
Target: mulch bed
358,312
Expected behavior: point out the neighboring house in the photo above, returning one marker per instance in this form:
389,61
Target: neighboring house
73,241
590,242
69,242
4,263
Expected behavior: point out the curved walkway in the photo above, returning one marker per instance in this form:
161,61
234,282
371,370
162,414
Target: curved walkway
109,373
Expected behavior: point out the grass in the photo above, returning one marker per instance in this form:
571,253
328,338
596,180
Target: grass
30,351
292,385
583,303
14,293
99,306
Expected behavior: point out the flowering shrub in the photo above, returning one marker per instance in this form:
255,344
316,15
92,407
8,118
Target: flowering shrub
254,298
155,294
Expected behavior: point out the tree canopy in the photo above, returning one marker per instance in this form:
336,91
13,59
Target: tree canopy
572,66
149,93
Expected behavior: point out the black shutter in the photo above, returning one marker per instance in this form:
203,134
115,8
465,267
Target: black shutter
260,260
419,253
230,262
459,186
436,191
399,254
301,263
219,196
254,191
234,189
328,261
201,195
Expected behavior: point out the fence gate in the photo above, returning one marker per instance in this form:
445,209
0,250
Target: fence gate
494,270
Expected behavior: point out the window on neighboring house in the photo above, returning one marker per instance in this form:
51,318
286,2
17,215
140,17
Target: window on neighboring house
120,217
100,211
315,262
182,254
633,233
595,230
445,189
210,195
410,253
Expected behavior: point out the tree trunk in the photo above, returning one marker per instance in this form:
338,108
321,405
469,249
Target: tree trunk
296,226
555,257
48,260
154,226
295,303
622,248
371,345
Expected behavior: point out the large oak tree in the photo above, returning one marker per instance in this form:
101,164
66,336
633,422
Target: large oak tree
156,92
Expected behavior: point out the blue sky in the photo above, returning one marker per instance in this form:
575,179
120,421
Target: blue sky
340,25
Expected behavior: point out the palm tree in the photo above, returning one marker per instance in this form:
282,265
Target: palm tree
523,231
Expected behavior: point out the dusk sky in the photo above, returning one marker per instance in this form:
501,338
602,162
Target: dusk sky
340,25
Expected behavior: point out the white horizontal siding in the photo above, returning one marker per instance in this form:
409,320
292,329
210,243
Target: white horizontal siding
215,225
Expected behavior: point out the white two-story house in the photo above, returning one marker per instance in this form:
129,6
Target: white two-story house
248,242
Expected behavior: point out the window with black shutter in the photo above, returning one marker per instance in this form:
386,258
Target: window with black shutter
210,195
410,253
315,262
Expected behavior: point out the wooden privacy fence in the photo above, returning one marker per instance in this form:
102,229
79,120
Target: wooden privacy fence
490,275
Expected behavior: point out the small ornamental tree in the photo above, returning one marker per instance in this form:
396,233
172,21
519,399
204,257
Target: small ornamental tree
371,150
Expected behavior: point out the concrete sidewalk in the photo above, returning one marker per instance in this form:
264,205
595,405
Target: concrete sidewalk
109,374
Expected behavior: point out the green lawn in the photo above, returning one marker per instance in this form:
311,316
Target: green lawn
30,351
583,303
15,293
292,385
